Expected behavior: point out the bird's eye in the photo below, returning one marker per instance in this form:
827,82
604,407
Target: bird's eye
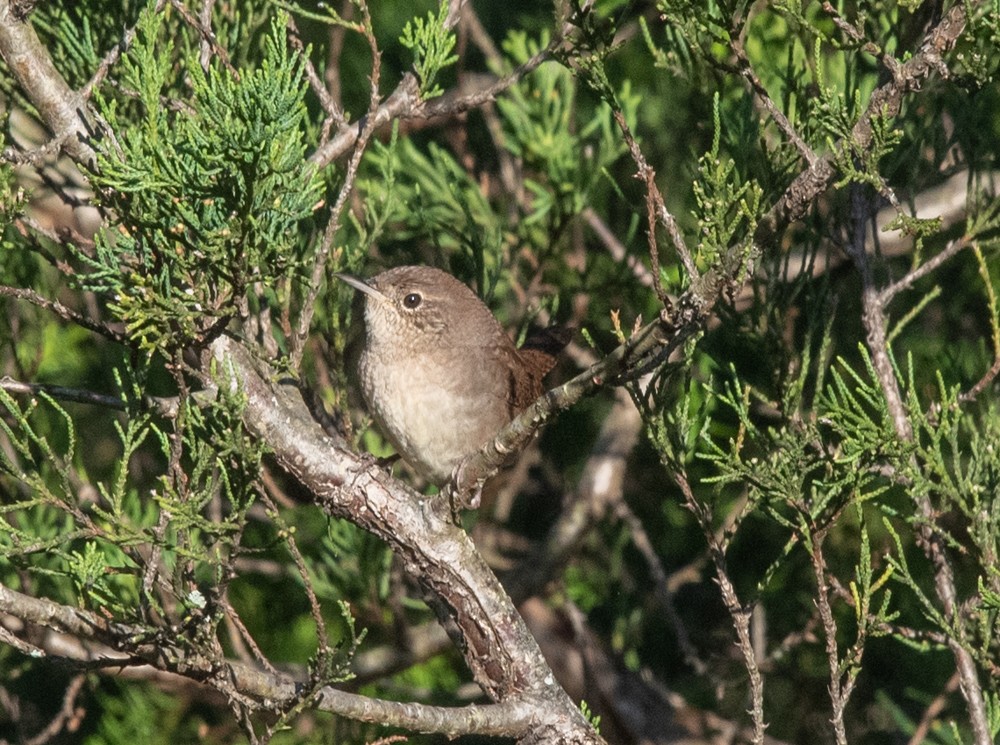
412,300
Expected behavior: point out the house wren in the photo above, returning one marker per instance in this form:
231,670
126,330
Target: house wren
437,371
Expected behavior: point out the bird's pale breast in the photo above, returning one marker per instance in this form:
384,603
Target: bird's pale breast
435,420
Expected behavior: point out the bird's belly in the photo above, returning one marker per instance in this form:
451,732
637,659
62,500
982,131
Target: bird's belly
432,421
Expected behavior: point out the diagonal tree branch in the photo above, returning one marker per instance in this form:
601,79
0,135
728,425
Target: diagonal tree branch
503,656
61,108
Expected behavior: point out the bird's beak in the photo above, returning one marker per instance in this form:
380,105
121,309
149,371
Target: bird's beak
360,285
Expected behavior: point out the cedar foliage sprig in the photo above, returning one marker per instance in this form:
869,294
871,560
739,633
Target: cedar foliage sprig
209,193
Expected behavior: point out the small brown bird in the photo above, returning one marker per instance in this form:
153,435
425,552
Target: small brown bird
438,373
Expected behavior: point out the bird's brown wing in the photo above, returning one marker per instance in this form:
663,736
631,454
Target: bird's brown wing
538,356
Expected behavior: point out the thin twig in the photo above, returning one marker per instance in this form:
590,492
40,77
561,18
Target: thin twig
449,106
934,710
62,311
656,212
739,613
661,583
61,235
616,248
910,278
807,634
335,51
323,638
329,104
601,485
67,715
481,37
983,383
209,39
162,405
336,211
840,689
243,633
405,102
510,172
745,69
62,394
852,32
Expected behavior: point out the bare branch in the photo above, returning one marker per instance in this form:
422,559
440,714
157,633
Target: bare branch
67,715
745,69
209,43
401,103
449,105
656,212
62,109
166,407
651,341
615,247
840,687
62,311
269,690
908,280
405,102
661,583
933,711
326,100
63,394
600,487
738,612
